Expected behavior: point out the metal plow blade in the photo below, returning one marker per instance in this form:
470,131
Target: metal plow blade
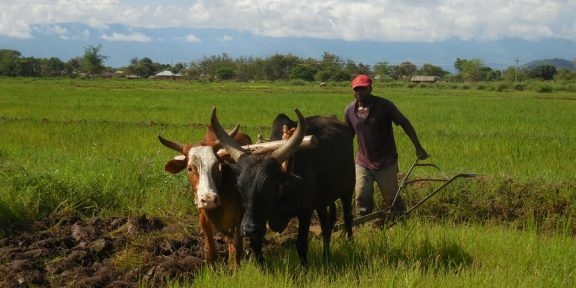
394,217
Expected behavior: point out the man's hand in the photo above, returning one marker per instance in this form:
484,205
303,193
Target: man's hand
421,153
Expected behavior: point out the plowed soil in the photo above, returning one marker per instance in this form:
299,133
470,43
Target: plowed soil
115,252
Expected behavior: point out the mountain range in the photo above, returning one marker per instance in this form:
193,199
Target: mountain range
558,63
120,43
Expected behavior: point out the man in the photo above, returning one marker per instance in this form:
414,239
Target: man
370,118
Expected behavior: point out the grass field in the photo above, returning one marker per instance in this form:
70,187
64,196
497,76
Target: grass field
418,255
90,148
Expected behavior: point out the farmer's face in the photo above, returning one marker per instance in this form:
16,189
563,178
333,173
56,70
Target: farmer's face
362,94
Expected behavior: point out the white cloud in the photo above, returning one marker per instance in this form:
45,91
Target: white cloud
376,20
60,31
13,26
192,39
227,38
132,37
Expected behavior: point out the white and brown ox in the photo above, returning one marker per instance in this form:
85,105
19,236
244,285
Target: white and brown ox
214,184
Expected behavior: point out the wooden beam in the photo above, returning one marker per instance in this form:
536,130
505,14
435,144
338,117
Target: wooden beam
309,142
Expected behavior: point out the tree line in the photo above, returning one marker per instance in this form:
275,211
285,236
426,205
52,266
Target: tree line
277,67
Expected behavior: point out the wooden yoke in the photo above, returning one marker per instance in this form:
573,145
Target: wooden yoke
309,142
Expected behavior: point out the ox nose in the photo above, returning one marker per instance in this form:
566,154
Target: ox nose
249,230
210,201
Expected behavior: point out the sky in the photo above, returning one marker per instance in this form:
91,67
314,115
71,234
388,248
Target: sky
385,21
377,20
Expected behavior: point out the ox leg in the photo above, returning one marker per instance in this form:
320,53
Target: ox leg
348,217
210,251
302,240
235,250
256,247
332,215
327,218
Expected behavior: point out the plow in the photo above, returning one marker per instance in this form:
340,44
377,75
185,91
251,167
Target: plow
391,218
386,215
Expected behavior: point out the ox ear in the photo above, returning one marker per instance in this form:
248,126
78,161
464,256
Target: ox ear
233,166
176,165
279,123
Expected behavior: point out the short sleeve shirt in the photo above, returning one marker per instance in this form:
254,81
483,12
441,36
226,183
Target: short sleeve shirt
374,134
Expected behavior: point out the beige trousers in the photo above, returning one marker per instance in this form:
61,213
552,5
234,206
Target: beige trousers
387,180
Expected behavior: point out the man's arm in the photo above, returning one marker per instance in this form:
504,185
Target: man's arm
409,130
348,123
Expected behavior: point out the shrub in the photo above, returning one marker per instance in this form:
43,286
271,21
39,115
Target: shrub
519,87
545,88
297,82
501,87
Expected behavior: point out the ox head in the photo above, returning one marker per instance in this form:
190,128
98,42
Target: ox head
261,181
202,165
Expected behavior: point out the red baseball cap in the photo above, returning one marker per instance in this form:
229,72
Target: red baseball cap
361,81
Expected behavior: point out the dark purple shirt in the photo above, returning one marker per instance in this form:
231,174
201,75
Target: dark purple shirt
375,136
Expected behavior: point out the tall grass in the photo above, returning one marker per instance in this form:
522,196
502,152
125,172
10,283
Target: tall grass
417,254
90,147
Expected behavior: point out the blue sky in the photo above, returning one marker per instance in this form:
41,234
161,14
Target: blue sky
377,20
341,21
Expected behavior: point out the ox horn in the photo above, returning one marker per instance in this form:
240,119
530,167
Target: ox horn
172,145
232,134
285,151
233,148
234,131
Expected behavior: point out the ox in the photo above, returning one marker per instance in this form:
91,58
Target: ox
315,180
217,198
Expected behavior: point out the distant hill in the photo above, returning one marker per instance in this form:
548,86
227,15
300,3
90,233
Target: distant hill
558,63
175,44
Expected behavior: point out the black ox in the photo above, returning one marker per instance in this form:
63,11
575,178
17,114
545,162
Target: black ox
315,180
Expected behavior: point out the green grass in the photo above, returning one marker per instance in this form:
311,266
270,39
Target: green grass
517,134
89,148
417,254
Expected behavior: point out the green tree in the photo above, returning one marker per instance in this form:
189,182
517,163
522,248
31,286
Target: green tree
431,70
490,74
52,67
470,70
248,69
9,62
278,66
72,66
544,72
564,74
193,71
383,70
28,67
303,71
145,67
351,68
209,65
513,74
179,68
225,74
333,68
404,70
93,61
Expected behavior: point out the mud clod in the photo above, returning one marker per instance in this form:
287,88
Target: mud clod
117,252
